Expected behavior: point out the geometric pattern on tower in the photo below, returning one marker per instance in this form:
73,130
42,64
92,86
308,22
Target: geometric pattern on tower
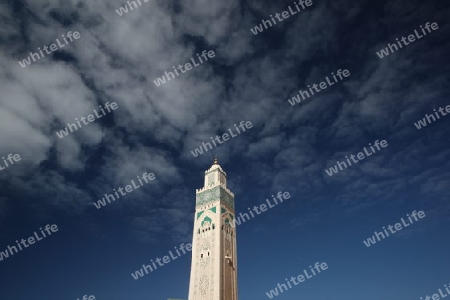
214,194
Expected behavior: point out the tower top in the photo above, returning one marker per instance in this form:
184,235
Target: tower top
215,166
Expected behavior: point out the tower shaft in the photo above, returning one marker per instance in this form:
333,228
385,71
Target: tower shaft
214,265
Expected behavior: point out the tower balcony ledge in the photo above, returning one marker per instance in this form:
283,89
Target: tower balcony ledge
197,191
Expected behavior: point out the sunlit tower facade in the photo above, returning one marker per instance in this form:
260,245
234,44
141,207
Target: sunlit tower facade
214,264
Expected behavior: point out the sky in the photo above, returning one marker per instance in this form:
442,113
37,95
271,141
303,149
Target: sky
117,58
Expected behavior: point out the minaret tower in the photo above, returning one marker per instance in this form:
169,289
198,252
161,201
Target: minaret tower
214,266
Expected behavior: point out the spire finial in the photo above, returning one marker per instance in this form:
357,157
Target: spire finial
216,160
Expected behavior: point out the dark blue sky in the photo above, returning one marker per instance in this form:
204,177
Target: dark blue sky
289,147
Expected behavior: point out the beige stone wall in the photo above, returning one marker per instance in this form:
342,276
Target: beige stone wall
214,264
